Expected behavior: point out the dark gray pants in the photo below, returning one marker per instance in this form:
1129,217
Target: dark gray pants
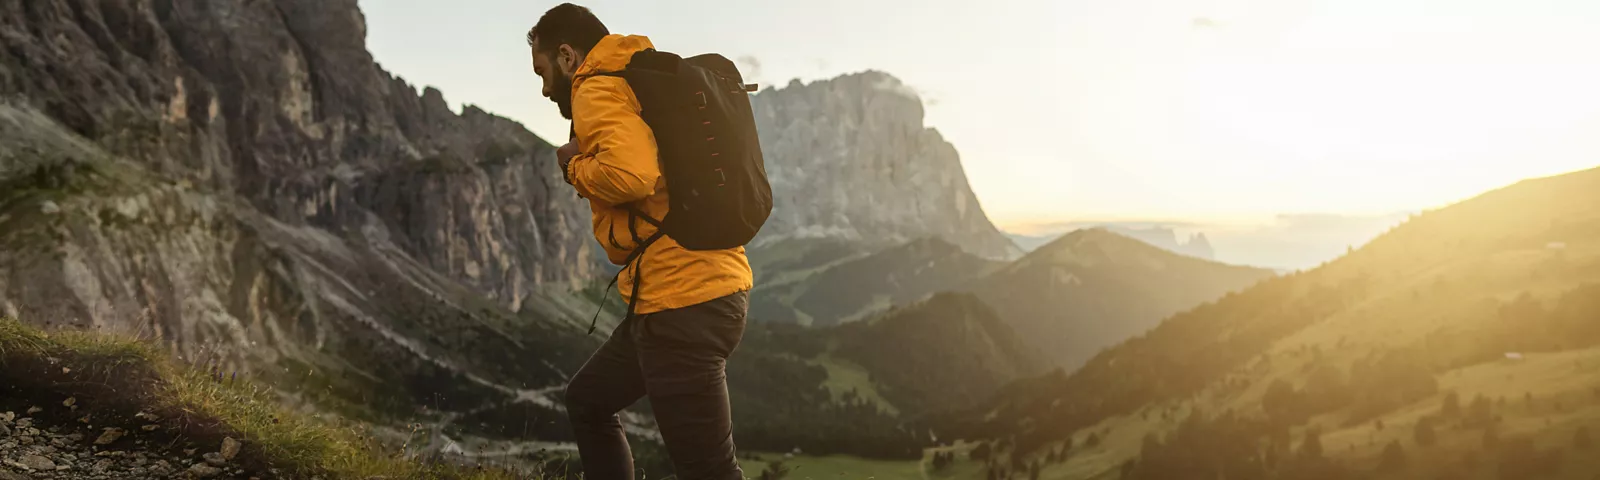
678,358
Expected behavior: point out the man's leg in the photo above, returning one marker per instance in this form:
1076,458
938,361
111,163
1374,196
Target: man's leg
683,354
609,382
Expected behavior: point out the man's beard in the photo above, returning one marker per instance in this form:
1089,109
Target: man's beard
563,96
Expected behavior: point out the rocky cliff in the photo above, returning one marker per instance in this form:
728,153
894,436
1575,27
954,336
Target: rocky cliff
279,104
849,158
240,180
1196,245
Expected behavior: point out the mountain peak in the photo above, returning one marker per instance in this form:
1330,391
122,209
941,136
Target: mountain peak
850,158
1095,287
1100,242
1160,238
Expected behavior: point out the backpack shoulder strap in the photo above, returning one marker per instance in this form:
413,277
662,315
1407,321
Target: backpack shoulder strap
634,210
635,259
623,74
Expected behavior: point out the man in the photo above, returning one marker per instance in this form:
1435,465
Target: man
690,312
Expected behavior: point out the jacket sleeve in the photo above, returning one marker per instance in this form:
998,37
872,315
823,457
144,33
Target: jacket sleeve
618,164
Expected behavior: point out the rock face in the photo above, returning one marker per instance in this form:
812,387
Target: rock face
240,180
1167,239
279,103
849,158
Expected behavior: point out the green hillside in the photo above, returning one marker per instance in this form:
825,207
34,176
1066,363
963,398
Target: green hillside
119,394
1092,289
858,389
822,283
948,352
1461,344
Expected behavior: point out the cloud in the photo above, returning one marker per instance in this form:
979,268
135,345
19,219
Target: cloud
1206,22
750,65
893,85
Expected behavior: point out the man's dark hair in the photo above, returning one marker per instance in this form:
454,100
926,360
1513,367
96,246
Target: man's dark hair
567,24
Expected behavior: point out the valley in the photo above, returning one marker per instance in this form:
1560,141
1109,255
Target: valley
1333,372
236,186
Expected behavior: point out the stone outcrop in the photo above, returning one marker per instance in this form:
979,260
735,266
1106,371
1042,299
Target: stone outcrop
849,158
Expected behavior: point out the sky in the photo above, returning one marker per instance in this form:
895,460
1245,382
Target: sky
1077,110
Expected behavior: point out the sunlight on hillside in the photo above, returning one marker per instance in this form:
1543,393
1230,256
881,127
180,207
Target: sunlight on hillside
883,240
1486,306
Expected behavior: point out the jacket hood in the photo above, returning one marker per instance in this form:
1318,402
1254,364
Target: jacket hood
612,54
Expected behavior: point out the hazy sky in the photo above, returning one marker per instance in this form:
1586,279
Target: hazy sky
1101,109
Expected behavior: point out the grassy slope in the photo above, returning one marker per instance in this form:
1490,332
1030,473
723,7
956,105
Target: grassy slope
1092,289
782,271
113,378
845,376
949,351
1429,286
829,282
804,467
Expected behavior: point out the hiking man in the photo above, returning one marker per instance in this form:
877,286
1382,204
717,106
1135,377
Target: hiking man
690,314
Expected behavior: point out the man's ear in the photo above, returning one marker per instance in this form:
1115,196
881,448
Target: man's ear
569,59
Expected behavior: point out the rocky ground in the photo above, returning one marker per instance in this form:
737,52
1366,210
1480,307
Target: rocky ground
30,450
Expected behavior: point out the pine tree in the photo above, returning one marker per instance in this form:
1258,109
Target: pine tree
1480,412
1312,447
1425,434
1394,457
982,451
1452,405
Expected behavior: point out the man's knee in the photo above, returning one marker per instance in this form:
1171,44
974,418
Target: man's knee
582,402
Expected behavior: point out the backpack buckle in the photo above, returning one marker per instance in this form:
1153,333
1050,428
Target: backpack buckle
724,177
702,95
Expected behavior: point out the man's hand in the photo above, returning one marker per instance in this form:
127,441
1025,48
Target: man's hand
564,156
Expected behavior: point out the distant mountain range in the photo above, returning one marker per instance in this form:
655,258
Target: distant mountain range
1287,242
1165,237
239,182
1082,292
1466,332
1094,288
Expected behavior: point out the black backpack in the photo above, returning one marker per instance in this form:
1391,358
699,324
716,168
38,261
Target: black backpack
710,154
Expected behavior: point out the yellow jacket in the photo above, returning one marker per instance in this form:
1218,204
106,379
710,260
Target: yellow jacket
616,165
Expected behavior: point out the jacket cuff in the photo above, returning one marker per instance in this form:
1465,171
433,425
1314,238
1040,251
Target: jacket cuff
566,170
